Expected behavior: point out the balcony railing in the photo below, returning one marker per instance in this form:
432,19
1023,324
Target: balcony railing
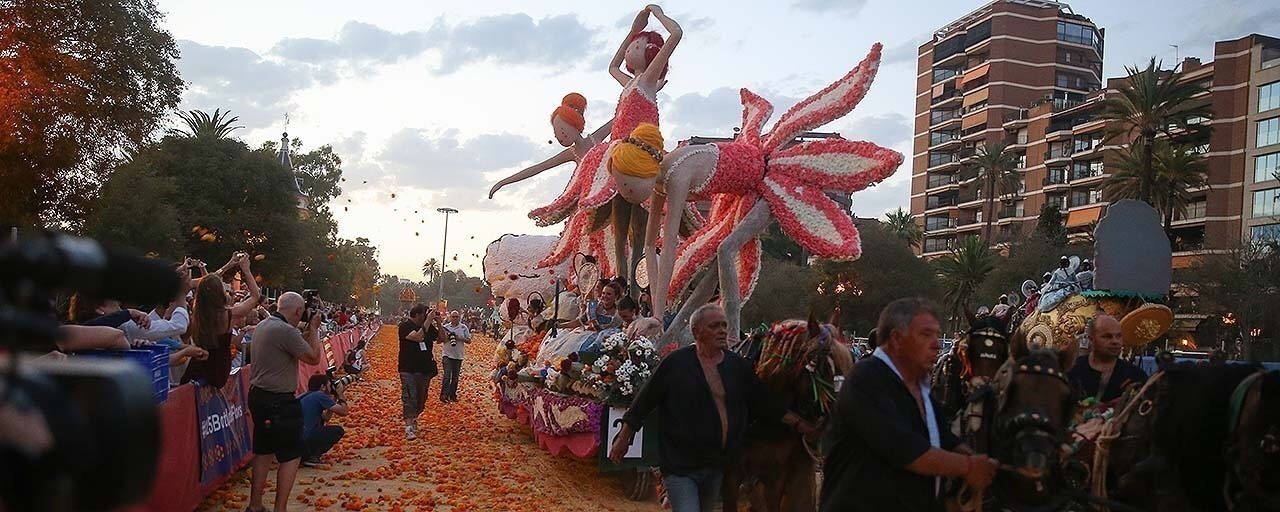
1055,179
976,129
1062,152
938,181
1085,173
968,222
1009,213
1085,199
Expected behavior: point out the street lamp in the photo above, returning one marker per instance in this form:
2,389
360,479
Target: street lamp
445,247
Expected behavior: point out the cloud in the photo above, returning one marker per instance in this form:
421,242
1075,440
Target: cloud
885,197
256,89
356,41
510,39
1235,19
712,114
888,130
445,161
838,7
906,51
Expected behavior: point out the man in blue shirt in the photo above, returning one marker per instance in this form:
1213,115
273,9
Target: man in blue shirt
317,408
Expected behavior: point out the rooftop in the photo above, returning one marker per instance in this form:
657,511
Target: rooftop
979,13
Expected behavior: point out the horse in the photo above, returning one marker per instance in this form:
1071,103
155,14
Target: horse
1022,423
778,466
1197,437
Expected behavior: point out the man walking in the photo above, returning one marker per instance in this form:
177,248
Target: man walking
1101,373
417,363
277,415
886,447
704,396
459,336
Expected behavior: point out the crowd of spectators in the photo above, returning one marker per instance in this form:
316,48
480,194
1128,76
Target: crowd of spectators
221,321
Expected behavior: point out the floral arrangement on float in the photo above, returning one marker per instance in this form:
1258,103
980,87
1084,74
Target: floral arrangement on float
620,370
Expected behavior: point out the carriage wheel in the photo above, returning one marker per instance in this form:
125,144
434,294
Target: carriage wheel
638,484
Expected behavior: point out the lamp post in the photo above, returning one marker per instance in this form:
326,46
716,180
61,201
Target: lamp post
445,247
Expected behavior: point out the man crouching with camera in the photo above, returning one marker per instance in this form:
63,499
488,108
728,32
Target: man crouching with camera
323,400
278,346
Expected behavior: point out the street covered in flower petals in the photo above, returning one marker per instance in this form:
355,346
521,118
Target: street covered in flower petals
468,457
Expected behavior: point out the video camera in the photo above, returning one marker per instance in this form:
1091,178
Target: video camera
313,304
74,435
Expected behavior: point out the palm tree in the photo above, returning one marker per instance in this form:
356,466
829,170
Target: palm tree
1176,171
996,176
202,125
962,271
1151,102
903,226
430,269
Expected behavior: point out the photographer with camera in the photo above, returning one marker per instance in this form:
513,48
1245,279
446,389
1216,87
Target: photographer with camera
417,363
459,336
322,400
278,346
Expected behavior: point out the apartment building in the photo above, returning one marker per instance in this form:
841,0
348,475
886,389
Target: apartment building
1059,140
978,73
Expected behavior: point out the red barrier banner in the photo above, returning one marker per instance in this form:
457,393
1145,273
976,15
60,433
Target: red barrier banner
224,428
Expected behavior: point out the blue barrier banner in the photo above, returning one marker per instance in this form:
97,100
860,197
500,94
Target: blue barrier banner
222,415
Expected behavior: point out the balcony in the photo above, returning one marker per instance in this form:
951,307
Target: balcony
940,202
940,224
1010,212
1078,200
1061,153
968,222
1086,173
942,159
942,138
941,181
946,98
973,131
1055,180
944,119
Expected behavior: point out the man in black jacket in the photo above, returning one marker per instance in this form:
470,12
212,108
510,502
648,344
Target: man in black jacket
704,397
886,446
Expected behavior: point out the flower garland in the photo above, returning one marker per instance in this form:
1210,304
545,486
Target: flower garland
621,368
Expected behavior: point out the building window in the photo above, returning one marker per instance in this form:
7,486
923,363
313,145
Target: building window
1269,97
1268,132
1266,203
1266,232
1266,167
1070,81
1079,34
940,74
1195,210
938,116
941,158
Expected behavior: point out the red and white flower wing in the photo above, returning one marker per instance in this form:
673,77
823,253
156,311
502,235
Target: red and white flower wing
700,248
567,202
836,164
811,218
827,105
755,112
575,232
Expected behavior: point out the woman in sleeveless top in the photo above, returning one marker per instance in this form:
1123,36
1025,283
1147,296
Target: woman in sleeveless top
211,318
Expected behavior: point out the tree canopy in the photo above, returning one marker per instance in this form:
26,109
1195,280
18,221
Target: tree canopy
82,83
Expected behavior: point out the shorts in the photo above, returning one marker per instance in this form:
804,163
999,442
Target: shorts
277,424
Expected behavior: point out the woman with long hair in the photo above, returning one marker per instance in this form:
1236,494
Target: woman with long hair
211,321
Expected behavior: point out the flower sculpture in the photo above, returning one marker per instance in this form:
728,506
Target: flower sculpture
759,177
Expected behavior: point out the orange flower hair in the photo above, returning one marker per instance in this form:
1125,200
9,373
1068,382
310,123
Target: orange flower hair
570,111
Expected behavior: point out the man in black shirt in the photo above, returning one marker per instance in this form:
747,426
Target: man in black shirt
417,363
704,396
886,446
1101,373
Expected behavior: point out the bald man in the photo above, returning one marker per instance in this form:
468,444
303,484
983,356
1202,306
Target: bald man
1102,373
278,346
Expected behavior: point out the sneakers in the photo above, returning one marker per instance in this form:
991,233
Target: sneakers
410,433
311,462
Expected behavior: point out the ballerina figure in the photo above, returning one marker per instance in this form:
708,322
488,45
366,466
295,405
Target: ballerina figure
646,56
751,181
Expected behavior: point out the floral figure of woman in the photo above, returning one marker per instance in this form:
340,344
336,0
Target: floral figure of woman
751,181
591,198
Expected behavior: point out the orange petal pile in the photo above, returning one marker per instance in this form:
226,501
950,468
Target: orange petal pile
468,457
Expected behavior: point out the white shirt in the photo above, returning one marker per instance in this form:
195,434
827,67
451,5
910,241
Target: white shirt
160,329
456,351
930,421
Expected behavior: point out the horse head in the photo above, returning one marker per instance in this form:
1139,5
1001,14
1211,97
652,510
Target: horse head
799,356
1035,403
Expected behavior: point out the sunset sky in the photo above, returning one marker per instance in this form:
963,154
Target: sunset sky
435,101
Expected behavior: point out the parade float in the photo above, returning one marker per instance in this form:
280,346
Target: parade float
567,367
